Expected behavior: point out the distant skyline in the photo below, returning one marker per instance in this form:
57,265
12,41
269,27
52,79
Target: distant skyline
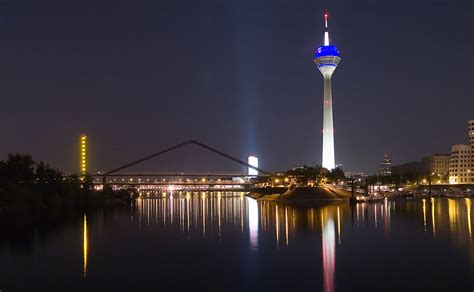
138,77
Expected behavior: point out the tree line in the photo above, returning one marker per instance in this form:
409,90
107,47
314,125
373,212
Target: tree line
28,183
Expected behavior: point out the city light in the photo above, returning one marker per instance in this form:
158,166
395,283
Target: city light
253,161
83,160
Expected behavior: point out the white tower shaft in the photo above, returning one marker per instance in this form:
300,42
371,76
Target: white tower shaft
328,126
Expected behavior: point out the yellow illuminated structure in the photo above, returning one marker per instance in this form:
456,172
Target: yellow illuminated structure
83,162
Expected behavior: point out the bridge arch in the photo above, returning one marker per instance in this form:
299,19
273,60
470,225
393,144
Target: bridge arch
193,142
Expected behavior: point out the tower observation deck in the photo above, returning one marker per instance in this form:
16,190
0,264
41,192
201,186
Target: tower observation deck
327,58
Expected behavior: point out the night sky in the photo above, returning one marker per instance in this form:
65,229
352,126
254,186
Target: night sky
139,76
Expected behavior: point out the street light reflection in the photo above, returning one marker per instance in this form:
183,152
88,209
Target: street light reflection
213,216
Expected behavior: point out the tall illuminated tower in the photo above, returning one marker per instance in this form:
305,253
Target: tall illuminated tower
327,58
83,149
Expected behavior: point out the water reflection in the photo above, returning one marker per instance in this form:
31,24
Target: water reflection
85,243
424,214
253,222
329,251
213,213
433,216
202,235
468,208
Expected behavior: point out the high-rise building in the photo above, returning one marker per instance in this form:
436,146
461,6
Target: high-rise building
461,165
471,133
253,160
460,170
437,164
83,155
327,58
385,168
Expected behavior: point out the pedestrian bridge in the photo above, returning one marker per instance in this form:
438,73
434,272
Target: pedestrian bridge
180,181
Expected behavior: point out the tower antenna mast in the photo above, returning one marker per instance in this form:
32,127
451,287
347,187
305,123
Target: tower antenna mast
326,33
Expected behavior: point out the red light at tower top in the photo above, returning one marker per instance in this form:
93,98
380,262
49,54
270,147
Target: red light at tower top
326,20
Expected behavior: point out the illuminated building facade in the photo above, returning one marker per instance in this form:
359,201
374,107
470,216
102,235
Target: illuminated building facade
471,133
385,168
83,156
327,58
252,160
461,165
437,164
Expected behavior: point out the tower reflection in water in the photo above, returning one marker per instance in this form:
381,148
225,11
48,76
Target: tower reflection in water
329,251
212,215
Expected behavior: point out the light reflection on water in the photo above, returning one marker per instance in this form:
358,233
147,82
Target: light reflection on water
204,211
325,248
85,243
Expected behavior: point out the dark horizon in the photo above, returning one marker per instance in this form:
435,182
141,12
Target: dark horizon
236,75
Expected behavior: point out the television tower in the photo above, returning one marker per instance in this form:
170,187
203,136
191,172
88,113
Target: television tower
327,58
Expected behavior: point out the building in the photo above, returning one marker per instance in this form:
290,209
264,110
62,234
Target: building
461,165
460,168
385,168
437,164
471,133
253,161
456,167
413,167
327,58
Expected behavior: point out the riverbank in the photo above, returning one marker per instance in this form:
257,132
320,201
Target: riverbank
301,195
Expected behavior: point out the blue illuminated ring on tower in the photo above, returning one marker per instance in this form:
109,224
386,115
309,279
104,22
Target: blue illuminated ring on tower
327,51
327,56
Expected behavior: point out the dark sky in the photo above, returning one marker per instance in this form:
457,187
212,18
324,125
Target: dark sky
138,76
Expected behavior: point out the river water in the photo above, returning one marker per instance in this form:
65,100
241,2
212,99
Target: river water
228,242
